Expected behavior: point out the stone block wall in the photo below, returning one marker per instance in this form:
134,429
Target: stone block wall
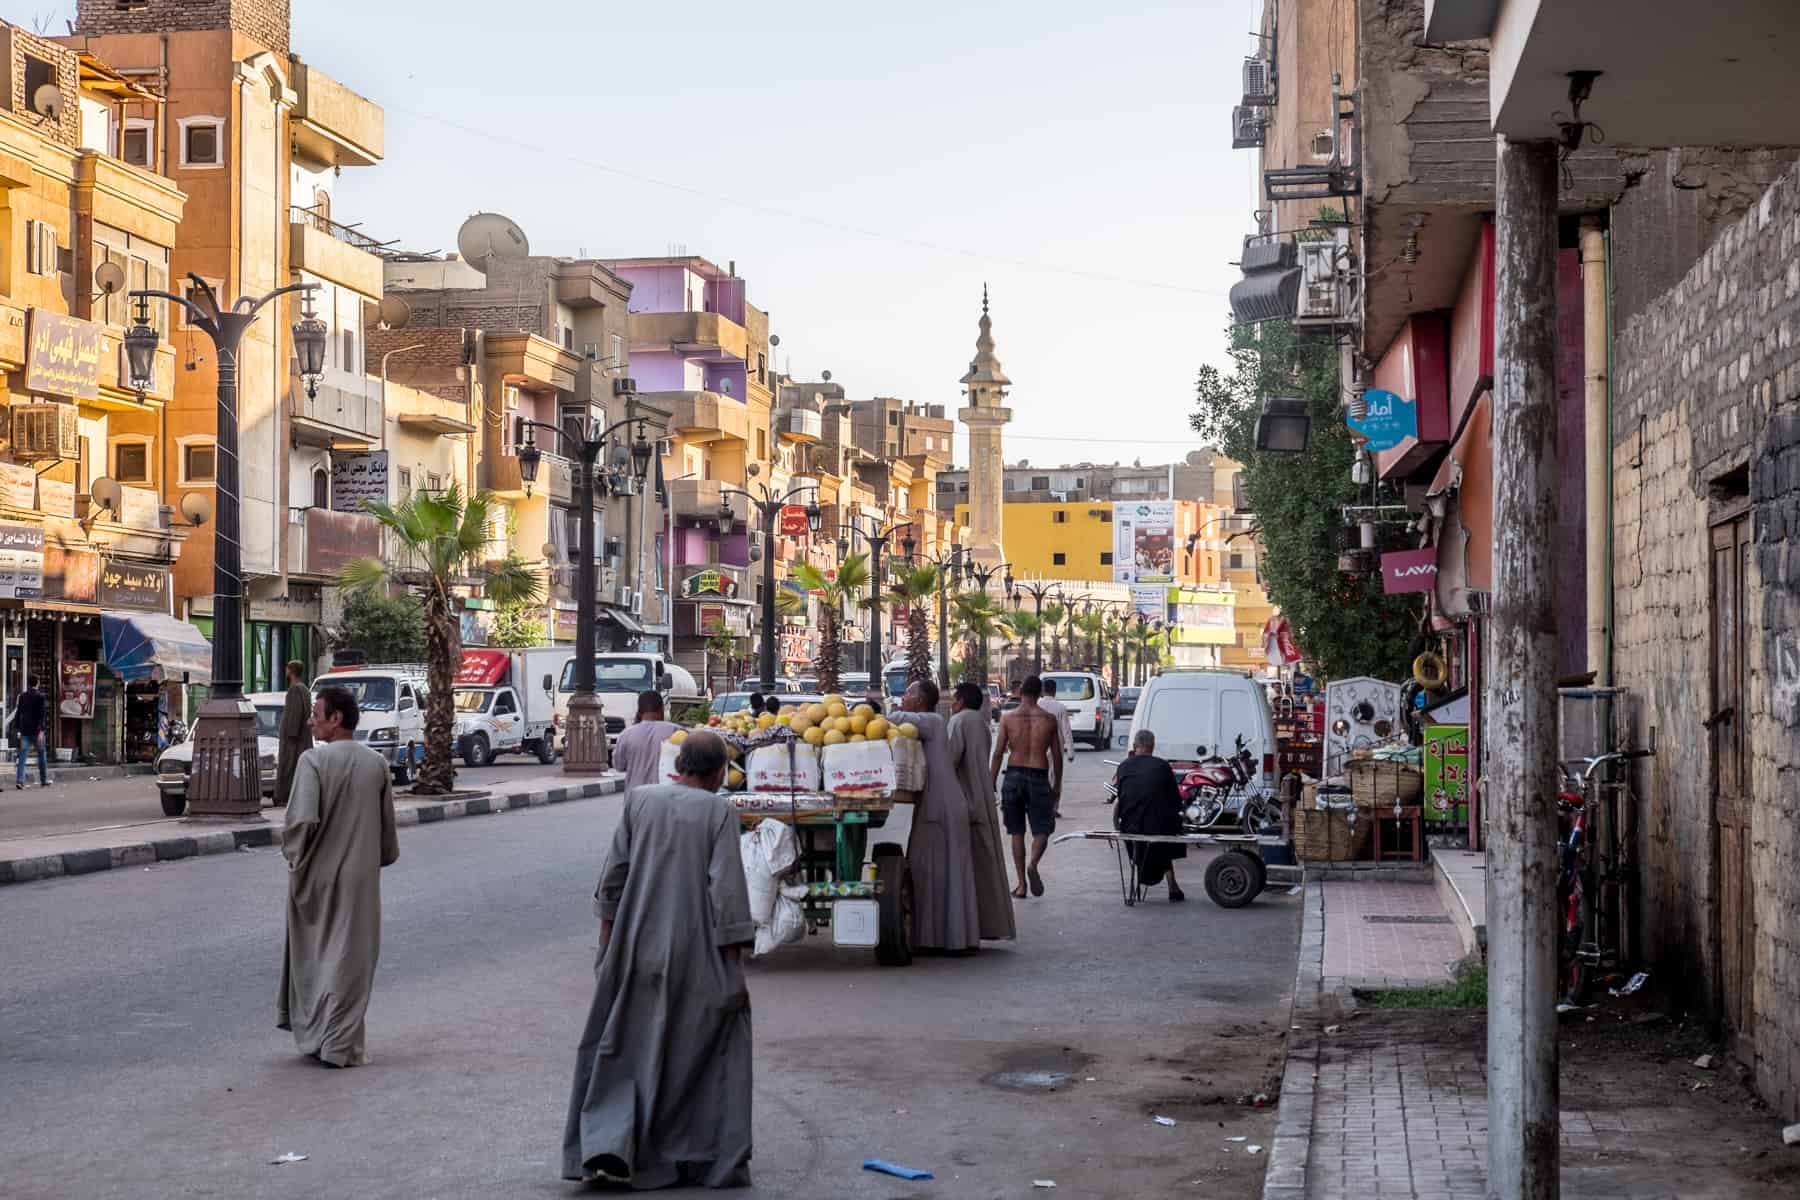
267,21
1707,384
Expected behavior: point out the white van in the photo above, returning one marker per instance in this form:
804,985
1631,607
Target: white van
619,676
391,700
1201,712
1084,694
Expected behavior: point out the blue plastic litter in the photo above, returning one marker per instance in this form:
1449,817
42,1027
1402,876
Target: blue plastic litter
888,1168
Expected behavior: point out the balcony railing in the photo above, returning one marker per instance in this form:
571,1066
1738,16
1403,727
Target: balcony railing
344,233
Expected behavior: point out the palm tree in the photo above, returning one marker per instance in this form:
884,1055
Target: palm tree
834,593
913,590
1112,631
441,539
1089,624
978,618
1053,614
1025,629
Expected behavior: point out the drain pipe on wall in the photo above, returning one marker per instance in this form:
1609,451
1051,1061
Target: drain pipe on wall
1597,384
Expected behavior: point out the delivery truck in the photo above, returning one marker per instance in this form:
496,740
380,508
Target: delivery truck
506,703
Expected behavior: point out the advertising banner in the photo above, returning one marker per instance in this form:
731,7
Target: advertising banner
125,585
1447,773
75,690
21,561
1389,420
63,355
1144,541
793,521
1409,571
1150,599
18,486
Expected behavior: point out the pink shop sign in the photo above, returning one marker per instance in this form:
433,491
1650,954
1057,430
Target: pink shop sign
1409,571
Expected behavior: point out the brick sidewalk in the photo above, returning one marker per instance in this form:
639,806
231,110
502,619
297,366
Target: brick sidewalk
1387,935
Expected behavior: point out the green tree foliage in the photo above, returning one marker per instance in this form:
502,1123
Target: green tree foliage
517,626
1344,626
387,629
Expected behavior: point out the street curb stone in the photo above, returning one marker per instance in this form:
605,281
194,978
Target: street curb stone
1285,1176
106,858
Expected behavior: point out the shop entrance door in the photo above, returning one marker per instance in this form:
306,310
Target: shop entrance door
1731,799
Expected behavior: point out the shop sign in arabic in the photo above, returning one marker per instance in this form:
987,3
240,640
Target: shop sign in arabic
56,498
18,486
63,357
356,478
1446,772
709,583
71,574
124,585
140,508
75,689
21,561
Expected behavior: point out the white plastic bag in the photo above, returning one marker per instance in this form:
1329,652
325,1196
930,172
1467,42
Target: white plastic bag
665,768
768,851
859,767
770,769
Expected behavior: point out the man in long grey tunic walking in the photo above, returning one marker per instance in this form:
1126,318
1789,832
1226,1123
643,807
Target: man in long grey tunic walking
662,1074
941,851
971,744
339,834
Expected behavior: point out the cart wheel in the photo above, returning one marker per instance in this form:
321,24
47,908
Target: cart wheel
1233,879
1262,871
893,875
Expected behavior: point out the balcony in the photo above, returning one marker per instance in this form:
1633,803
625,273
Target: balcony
334,540
555,477
703,417
335,252
428,414
587,285
799,425
700,499
696,334
340,416
332,124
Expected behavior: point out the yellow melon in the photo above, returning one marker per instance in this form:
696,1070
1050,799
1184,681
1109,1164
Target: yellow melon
908,729
814,736
857,737
859,722
877,728
835,738
862,710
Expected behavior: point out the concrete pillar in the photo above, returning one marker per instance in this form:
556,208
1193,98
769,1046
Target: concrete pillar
1521,687
1596,396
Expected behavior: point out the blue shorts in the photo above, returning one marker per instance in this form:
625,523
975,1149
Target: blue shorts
1026,799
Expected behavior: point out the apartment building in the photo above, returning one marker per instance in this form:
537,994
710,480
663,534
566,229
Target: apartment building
85,540
256,138
890,428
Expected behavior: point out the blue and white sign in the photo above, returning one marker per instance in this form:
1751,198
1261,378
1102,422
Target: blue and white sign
1389,420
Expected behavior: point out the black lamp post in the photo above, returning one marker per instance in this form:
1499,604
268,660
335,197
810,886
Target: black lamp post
983,575
769,506
224,783
949,570
877,539
1037,590
584,745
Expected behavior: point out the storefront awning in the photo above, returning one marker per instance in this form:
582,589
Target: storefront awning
154,646
624,620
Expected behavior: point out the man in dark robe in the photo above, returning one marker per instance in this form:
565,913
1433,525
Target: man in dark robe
662,1074
295,732
1150,803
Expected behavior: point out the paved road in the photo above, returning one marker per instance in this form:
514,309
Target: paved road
79,803
138,1055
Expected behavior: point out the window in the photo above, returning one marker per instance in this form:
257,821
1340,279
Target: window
202,142
1106,516
893,417
504,705
199,462
38,73
434,483
1060,517
41,257
1106,558
1237,562
136,140
405,483
1080,482
963,487
321,488
131,462
1040,483
762,367
191,290
762,445
618,351
349,362
1059,559
568,337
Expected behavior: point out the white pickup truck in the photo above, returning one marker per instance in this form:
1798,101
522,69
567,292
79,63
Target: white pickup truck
619,677
506,703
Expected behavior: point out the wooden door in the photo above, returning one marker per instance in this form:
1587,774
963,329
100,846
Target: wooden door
1731,793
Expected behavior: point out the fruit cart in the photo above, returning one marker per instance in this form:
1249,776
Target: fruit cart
861,893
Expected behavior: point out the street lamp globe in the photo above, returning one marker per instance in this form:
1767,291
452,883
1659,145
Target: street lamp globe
815,517
642,451
141,343
907,546
309,347
529,455
727,518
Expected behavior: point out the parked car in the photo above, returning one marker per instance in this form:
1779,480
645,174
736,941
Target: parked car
1090,712
174,764
1126,702
1196,713
391,698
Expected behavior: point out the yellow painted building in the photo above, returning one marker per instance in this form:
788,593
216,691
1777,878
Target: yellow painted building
1239,550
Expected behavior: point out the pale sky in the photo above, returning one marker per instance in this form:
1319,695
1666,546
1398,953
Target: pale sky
866,166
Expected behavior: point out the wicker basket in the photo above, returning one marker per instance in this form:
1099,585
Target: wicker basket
1330,834
1374,783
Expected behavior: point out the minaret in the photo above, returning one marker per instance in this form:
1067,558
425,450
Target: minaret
987,386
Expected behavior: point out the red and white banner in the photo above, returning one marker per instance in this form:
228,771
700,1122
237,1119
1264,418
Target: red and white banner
793,521
1279,647
1409,571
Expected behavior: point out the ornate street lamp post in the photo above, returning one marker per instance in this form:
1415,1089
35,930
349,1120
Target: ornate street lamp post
1037,590
949,571
983,575
769,506
877,539
584,746
225,783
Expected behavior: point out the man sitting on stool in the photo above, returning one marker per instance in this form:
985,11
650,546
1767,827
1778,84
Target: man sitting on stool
1150,803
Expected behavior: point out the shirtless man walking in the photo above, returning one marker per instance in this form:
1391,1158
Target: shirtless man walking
1033,740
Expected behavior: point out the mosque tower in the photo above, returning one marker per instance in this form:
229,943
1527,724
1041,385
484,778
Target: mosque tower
985,416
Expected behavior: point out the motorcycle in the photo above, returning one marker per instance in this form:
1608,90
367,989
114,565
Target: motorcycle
1217,790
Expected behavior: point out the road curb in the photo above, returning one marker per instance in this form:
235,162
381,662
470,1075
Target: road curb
1285,1176
30,869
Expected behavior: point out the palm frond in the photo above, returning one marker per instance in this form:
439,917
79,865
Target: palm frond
511,581
365,575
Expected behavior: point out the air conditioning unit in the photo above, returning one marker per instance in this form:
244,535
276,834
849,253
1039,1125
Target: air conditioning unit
1248,126
1259,82
624,386
1324,145
590,351
1325,279
45,431
623,597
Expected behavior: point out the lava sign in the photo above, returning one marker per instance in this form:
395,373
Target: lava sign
1388,420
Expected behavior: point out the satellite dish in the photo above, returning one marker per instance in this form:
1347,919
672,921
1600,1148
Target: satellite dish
197,507
774,339
394,312
105,492
109,277
487,236
47,102
825,375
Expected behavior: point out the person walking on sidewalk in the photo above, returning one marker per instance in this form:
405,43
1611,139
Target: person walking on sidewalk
638,752
339,834
31,719
971,745
1030,744
296,737
662,1074
1064,725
